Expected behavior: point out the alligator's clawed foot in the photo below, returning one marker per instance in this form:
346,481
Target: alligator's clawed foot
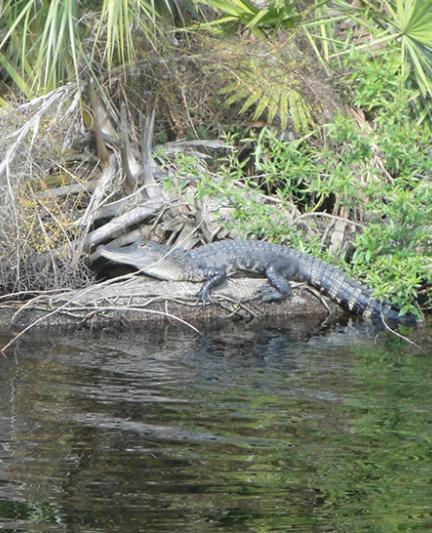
268,294
203,296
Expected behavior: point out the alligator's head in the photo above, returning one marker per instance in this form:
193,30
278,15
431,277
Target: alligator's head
157,260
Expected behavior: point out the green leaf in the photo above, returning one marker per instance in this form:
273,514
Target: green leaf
235,8
251,100
257,18
17,78
261,107
284,105
272,110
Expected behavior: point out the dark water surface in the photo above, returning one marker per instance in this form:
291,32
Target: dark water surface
296,429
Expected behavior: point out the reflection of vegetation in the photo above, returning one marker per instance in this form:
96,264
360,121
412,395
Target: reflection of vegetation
358,461
32,512
390,470
44,513
244,431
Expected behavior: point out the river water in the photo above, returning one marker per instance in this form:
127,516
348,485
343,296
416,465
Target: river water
305,428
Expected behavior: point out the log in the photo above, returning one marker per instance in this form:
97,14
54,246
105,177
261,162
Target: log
141,299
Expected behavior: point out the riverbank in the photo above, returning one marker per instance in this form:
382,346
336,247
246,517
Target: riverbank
253,138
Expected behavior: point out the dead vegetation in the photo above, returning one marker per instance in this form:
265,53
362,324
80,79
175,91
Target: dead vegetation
81,167
66,188
77,166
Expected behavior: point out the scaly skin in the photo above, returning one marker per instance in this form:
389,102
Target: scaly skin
213,263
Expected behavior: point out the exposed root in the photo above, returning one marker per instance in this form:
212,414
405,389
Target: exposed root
396,333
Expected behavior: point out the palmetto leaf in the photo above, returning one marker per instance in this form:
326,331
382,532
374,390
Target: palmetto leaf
253,98
238,93
413,20
265,80
272,111
275,96
262,105
247,13
284,106
41,43
406,23
17,78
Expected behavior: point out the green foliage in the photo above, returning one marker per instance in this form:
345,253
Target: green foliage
378,174
283,166
309,174
277,13
412,20
39,49
393,252
404,25
380,89
45,44
273,96
252,213
266,81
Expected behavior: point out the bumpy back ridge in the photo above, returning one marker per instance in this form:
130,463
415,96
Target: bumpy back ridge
350,294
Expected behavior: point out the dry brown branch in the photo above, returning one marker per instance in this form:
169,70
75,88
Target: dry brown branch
122,223
32,124
396,333
99,116
73,188
130,165
34,223
100,192
182,145
153,189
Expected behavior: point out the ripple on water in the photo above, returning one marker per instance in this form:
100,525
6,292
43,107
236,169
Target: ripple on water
301,429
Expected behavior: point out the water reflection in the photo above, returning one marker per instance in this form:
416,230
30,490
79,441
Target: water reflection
299,429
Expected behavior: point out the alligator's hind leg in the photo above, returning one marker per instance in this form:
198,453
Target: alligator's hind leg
216,277
279,287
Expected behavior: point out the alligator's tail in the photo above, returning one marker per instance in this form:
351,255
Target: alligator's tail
349,293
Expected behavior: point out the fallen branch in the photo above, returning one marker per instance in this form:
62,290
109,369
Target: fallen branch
120,223
73,188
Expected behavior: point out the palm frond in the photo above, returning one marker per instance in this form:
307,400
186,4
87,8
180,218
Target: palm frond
413,21
45,44
265,81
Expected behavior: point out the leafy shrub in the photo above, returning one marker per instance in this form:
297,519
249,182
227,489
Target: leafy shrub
374,172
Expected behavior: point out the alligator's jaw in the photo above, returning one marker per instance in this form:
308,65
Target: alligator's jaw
156,260
128,256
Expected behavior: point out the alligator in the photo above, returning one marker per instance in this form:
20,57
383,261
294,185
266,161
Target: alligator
213,263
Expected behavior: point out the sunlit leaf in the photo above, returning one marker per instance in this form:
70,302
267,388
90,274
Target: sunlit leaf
284,110
261,107
251,100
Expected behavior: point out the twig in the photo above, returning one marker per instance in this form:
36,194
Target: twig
73,188
42,293
396,333
321,214
103,183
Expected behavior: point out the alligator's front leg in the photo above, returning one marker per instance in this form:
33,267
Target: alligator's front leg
217,276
